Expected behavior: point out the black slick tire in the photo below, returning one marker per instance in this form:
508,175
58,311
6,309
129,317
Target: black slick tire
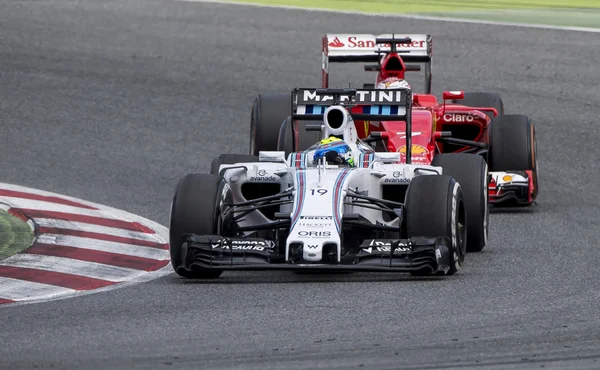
483,100
471,172
434,207
194,209
513,146
268,112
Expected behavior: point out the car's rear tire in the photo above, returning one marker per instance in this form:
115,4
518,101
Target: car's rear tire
230,159
513,146
483,100
195,210
305,138
268,112
471,171
434,207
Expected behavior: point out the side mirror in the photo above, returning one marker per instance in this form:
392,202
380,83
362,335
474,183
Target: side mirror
457,95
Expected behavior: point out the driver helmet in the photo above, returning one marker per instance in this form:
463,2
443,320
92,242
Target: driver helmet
335,151
393,83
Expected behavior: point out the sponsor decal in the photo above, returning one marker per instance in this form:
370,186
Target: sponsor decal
316,217
354,42
309,96
315,234
336,43
399,180
398,177
416,149
263,178
255,245
383,246
314,225
312,246
459,117
262,172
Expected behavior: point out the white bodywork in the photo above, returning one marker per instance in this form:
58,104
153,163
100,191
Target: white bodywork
508,180
320,189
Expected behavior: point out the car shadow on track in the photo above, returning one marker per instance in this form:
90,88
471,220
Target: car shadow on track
521,210
288,277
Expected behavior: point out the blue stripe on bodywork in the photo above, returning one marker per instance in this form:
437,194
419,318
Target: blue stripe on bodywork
385,110
314,109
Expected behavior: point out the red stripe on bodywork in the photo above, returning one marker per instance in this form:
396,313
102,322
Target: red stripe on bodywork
4,301
44,198
100,236
53,278
107,258
100,221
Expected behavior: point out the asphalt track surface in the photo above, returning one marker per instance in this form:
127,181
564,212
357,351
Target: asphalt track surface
114,101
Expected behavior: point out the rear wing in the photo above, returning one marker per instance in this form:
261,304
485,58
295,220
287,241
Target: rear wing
365,48
372,105
375,104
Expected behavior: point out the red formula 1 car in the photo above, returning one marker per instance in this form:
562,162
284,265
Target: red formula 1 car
463,122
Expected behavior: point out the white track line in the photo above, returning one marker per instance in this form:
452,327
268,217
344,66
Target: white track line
18,290
406,16
104,246
72,266
81,226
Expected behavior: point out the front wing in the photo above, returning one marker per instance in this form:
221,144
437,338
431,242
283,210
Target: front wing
512,187
216,252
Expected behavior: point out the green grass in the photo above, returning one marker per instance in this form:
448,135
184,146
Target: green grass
417,6
15,235
580,13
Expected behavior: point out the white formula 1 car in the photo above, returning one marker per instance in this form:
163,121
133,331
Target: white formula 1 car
297,213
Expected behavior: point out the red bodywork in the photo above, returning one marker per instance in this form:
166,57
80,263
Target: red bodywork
430,118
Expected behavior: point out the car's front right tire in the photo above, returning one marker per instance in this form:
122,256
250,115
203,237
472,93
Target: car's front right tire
434,207
195,209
